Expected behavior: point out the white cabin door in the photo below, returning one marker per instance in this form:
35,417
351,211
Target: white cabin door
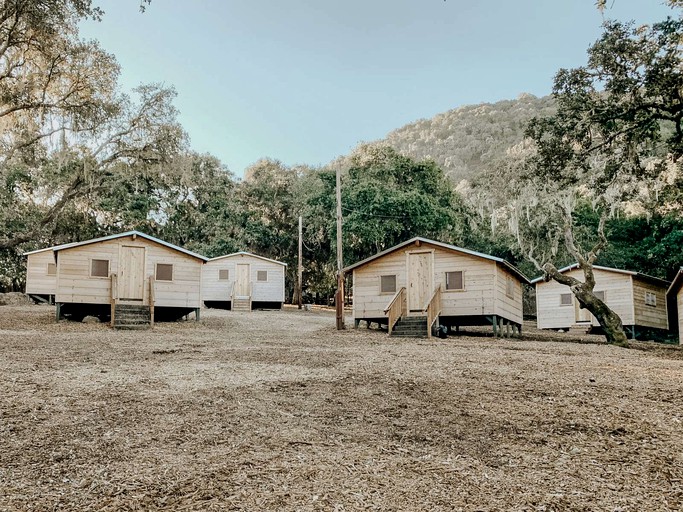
582,314
242,280
420,280
131,279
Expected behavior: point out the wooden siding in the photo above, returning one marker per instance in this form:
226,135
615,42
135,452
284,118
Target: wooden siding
649,316
618,296
477,298
76,286
679,302
509,307
37,280
272,290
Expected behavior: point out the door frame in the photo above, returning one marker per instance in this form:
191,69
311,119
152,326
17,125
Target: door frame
430,284
237,276
144,273
579,312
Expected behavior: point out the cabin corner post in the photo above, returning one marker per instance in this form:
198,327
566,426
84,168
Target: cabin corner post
196,314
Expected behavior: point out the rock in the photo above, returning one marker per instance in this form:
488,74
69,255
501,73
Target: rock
91,320
14,299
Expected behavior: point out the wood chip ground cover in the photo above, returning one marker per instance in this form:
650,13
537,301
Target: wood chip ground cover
278,411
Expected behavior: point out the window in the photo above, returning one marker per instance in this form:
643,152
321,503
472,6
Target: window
51,269
650,299
387,284
164,272
600,295
223,274
566,299
99,268
262,275
510,288
454,280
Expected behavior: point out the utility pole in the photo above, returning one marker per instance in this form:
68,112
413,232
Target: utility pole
300,271
339,296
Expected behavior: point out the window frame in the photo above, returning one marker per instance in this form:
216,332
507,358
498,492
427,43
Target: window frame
227,274
562,304
92,276
258,275
510,287
156,272
604,295
53,265
462,281
395,276
653,302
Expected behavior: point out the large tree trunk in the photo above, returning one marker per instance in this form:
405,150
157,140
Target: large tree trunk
609,321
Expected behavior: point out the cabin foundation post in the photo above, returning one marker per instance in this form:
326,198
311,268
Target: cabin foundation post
494,323
633,332
58,311
500,327
507,329
356,323
196,314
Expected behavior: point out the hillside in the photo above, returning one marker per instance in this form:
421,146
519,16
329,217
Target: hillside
463,141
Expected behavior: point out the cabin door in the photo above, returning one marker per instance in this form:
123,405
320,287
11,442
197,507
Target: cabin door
420,280
242,280
131,278
582,315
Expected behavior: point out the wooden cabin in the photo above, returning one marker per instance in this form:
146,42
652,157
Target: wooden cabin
421,283
131,277
243,281
639,299
674,297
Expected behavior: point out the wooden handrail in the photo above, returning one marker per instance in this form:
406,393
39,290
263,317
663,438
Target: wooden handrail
433,309
114,296
396,308
152,300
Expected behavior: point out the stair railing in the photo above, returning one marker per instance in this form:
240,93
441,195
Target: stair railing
396,308
152,300
433,309
114,296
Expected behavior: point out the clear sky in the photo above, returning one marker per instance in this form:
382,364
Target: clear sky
304,81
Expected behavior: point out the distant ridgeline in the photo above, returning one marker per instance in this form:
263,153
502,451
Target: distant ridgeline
463,141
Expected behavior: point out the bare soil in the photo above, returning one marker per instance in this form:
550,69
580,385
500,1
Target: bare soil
275,410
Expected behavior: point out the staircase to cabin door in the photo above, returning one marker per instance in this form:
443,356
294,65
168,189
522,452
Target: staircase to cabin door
132,317
241,304
410,327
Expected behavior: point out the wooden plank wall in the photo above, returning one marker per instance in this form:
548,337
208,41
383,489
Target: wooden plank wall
508,307
478,297
37,280
679,301
649,316
272,290
75,284
618,296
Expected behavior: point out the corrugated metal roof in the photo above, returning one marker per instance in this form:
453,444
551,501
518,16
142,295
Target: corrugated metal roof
449,247
573,266
245,253
71,245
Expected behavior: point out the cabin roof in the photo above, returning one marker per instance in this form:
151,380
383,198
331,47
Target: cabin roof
442,245
645,277
676,284
245,253
71,245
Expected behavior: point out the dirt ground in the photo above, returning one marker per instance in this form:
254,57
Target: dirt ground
278,411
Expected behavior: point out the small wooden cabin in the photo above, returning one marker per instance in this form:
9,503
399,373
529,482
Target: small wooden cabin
674,297
421,283
639,299
243,281
131,276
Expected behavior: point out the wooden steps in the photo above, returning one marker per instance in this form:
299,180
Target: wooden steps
410,327
242,304
580,329
131,317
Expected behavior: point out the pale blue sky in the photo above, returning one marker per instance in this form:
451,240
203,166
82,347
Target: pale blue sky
305,81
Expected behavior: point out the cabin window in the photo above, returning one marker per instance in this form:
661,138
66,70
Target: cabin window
51,269
565,299
223,274
650,299
510,288
455,280
99,268
164,272
387,284
262,275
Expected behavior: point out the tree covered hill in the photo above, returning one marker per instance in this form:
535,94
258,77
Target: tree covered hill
465,140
